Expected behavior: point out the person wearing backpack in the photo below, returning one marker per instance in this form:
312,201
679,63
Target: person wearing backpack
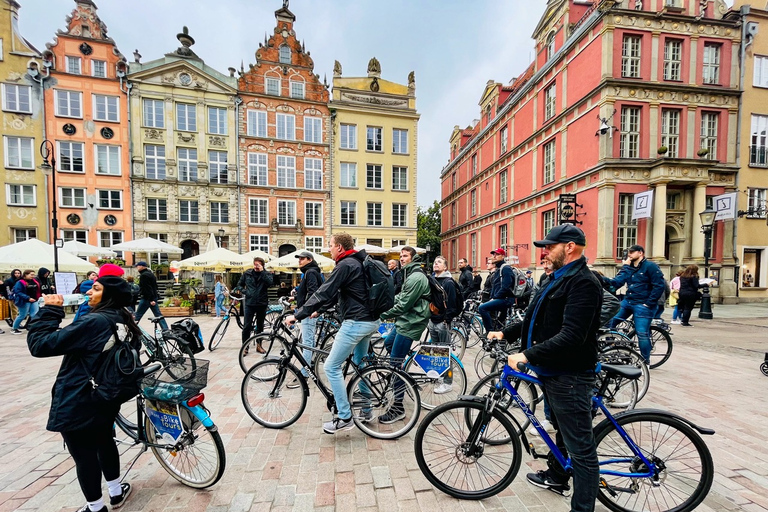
440,323
311,281
26,291
502,283
348,286
85,420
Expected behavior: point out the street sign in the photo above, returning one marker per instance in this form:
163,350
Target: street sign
642,205
567,198
725,205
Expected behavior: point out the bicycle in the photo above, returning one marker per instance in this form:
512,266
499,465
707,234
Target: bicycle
660,335
172,421
165,347
374,389
649,459
234,312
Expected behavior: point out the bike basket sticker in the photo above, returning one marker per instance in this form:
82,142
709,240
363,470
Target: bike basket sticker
435,359
165,418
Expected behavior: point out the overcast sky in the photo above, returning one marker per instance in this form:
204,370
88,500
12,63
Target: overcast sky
453,46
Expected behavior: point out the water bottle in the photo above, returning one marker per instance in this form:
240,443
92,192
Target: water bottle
73,299
164,391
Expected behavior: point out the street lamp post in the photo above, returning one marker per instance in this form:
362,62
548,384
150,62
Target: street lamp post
428,248
707,221
49,167
221,235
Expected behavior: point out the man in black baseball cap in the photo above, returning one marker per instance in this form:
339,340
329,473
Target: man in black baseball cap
563,234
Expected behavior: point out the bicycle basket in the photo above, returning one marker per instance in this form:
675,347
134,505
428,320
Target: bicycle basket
177,382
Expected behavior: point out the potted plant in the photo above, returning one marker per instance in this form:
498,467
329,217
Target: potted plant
662,150
702,152
176,306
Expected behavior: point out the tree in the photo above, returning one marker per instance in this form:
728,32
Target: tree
428,221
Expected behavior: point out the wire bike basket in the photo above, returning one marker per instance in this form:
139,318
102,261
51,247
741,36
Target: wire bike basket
177,382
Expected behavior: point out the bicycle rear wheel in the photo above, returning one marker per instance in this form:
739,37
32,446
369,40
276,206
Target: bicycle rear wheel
458,343
627,356
266,395
218,333
443,449
683,462
385,402
475,331
661,346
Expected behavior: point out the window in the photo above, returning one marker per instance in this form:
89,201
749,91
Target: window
99,68
217,120
504,137
348,138
348,174
286,213
313,243
186,117
549,162
630,56
163,237
629,141
760,77
373,176
503,235
399,241
19,235
157,209
286,171
107,159
756,203
453,214
68,104
711,60
19,153
258,209
674,201
626,228
110,238
453,182
473,203
400,141
188,211
547,222
399,215
473,249
550,45
20,195
708,140
313,214
71,157
313,129
759,141
272,86
549,101
259,243
313,173
74,235
153,113
154,162
348,213
399,178
286,127
106,108
187,161
285,54
16,98
488,115
72,197
673,49
257,169
217,166
374,214
502,187
257,123
219,213
373,139
110,199
474,164
670,131
74,65
297,90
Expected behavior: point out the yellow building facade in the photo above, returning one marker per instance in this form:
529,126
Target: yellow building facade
375,134
23,203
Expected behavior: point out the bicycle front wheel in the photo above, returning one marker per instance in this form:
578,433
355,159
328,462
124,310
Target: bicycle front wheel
197,459
385,402
249,351
458,343
682,462
267,397
459,466
218,333
438,390
476,331
528,392
661,346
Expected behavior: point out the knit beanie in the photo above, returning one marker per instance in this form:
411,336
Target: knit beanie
116,289
110,269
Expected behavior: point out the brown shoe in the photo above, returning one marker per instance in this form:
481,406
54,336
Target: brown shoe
260,349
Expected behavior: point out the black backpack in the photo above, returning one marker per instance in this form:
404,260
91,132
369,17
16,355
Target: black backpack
381,286
189,333
438,302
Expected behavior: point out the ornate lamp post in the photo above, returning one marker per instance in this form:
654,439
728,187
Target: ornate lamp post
221,235
707,221
428,248
47,151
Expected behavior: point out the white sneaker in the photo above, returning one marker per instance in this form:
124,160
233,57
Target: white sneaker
545,424
443,388
676,322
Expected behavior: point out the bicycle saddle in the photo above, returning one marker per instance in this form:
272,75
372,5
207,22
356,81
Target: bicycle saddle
622,370
155,318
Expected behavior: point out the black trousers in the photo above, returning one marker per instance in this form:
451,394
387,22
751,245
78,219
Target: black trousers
249,312
685,305
95,453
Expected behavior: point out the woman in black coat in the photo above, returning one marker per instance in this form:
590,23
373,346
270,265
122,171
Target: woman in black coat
85,422
689,293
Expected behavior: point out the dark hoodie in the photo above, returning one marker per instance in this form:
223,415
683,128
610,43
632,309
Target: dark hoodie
466,281
9,283
44,278
309,284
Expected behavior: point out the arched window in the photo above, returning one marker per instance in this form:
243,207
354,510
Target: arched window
550,45
285,54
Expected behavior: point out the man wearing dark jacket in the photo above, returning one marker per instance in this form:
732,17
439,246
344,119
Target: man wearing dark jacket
440,325
559,336
466,280
397,275
148,293
645,285
502,281
44,278
254,283
347,285
311,280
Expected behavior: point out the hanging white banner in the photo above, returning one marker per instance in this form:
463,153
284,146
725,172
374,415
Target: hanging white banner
642,205
725,205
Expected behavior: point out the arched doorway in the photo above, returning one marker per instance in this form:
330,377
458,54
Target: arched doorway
190,248
285,249
673,245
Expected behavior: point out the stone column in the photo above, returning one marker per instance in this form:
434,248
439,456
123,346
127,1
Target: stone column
606,199
659,221
697,237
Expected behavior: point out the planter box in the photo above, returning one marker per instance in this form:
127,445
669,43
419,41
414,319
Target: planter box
171,311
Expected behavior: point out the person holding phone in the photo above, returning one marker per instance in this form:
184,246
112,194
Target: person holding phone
254,283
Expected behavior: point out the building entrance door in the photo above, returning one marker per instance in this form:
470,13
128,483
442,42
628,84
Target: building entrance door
190,248
285,249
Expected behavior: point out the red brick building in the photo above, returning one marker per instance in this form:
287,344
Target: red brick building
284,124
661,78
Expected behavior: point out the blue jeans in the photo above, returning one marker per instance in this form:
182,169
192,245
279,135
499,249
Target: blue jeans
28,308
353,335
308,338
675,313
570,400
142,308
220,306
642,317
491,306
397,345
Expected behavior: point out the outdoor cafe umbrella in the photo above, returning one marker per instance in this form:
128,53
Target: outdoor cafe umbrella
290,263
84,250
256,254
373,250
34,253
396,250
148,246
217,260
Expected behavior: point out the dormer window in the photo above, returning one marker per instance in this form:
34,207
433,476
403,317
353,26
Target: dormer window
550,45
285,54
488,114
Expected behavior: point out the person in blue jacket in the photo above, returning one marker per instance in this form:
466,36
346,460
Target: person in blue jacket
501,290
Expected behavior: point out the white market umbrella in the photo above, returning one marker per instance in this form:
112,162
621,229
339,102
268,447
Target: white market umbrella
84,250
290,263
371,249
217,260
149,245
34,253
257,254
212,245
396,249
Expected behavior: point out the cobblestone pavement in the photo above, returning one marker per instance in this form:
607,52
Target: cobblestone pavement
300,468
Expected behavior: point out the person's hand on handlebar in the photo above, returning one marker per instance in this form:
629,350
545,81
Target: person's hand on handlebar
514,359
495,335
290,320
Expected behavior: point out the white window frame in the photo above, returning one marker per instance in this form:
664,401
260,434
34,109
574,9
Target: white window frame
313,211
673,59
157,167
631,50
217,124
258,170
286,171
272,86
218,171
22,234
629,140
109,238
313,243
74,235
219,212
372,171
503,235
260,208
670,131
550,101
351,213
473,202
550,45
187,164
550,154
547,222
73,106
153,113
760,71
374,214
400,178
160,209
258,242
74,65
504,136
24,192
23,145
756,202
348,137
186,117
189,208
297,89
286,212
69,197
313,173
399,215
503,187
348,175
710,126
286,126
105,166
313,130
110,199
283,57
710,71
473,161
95,63
626,228
399,141
372,133
257,123
110,107
61,160
17,103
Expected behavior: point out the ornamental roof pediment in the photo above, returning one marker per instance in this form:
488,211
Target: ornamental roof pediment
183,74
490,92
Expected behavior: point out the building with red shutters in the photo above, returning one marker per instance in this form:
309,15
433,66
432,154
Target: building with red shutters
623,97
284,126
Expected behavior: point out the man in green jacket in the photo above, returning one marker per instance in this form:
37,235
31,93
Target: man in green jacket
411,314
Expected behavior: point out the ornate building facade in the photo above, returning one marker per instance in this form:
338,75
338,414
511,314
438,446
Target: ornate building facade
184,158
375,134
284,126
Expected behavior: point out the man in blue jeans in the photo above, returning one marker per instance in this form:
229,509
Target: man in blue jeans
645,285
347,285
502,281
